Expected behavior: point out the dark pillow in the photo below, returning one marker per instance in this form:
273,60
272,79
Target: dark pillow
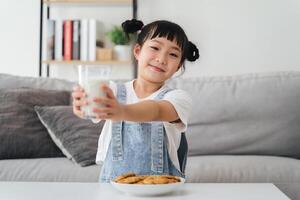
22,135
77,138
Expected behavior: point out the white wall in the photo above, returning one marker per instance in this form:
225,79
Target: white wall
19,37
234,36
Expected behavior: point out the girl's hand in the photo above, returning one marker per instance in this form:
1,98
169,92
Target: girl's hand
111,108
78,96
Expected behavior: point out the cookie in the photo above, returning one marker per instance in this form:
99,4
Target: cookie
172,177
155,180
130,180
148,180
160,180
117,179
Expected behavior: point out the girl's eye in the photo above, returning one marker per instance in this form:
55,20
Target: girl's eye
154,48
174,55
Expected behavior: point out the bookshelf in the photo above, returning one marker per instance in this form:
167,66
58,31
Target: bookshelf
45,65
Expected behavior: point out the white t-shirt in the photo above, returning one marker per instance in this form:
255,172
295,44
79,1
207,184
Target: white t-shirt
182,104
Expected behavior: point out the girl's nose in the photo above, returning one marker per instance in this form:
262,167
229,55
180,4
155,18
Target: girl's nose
161,59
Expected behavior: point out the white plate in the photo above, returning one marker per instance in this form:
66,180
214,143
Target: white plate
147,190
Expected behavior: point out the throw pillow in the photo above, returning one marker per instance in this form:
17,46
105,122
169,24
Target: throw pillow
22,135
77,138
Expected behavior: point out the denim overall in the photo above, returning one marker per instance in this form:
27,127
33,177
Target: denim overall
140,148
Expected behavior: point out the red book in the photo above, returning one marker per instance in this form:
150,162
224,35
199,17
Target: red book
68,37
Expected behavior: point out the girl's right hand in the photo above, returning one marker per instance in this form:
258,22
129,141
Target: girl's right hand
78,96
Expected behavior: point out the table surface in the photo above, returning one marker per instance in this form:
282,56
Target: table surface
99,191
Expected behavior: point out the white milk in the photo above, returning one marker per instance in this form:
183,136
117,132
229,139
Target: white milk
91,77
93,89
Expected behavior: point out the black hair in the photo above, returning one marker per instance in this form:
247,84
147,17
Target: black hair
163,28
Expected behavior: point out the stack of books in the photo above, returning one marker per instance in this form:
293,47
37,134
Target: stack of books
71,39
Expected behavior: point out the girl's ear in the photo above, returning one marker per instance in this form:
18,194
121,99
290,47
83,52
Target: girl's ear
136,51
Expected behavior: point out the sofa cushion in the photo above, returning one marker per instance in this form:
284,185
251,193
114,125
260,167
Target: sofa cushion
77,138
282,171
47,170
243,169
11,81
255,114
22,135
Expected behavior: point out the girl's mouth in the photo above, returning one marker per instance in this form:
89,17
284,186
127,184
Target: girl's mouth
156,68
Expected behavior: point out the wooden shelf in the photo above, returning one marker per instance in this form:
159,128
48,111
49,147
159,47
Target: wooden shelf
103,2
78,62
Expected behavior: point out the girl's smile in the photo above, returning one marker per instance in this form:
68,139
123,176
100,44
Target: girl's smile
156,68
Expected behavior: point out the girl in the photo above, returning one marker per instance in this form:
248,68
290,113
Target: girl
145,119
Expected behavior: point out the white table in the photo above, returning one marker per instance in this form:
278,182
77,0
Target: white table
97,191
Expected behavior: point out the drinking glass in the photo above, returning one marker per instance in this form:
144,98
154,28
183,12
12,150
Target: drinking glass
91,78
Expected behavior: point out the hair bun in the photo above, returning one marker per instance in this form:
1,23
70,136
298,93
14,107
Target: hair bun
192,52
132,26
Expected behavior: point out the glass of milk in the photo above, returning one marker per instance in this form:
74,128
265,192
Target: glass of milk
91,78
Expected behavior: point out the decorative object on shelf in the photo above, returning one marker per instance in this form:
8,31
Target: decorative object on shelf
122,49
104,54
122,52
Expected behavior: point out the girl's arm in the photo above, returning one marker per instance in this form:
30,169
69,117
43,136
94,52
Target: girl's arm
148,110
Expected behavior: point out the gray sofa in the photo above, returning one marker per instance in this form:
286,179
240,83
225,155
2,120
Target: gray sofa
243,128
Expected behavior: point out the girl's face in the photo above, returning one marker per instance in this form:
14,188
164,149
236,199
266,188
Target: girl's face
158,59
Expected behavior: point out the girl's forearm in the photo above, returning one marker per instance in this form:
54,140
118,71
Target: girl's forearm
141,112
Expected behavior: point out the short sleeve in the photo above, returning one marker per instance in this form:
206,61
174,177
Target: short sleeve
182,103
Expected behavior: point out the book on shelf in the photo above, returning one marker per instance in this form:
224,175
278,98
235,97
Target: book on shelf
49,51
76,40
58,44
84,32
68,39
95,33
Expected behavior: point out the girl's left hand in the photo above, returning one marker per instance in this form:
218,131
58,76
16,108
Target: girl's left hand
111,108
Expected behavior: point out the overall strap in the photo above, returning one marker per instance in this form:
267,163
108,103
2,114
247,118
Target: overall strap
116,139
162,93
183,147
157,139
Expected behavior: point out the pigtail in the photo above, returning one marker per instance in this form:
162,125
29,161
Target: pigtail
132,26
192,52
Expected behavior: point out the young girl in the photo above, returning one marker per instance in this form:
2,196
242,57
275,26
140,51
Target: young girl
145,119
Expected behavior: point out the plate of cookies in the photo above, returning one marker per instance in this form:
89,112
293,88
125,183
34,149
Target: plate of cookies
147,185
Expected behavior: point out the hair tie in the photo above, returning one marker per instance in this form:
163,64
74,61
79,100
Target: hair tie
132,26
192,52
